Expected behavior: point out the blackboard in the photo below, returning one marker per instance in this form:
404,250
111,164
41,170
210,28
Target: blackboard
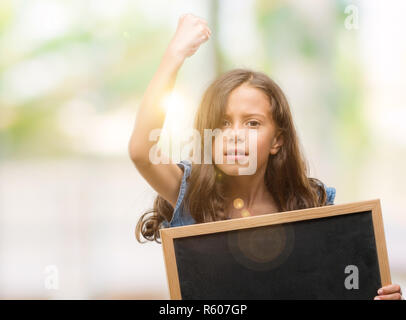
332,252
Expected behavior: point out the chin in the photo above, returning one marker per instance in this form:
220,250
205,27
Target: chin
230,169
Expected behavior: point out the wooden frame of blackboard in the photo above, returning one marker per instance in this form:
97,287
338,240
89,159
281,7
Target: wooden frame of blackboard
169,234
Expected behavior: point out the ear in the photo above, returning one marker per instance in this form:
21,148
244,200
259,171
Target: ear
276,144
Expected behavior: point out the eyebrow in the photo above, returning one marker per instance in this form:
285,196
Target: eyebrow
246,115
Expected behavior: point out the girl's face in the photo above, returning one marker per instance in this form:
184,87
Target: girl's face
247,108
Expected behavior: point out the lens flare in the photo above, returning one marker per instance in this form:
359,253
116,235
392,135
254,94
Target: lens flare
174,102
262,248
178,113
238,203
245,213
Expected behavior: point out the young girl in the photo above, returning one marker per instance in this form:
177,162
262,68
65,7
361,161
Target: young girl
237,100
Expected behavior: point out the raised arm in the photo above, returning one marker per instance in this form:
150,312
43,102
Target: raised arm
191,32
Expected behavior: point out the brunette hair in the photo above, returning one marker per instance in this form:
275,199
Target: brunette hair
286,174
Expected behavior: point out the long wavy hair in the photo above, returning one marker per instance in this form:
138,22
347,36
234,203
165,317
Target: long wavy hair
286,175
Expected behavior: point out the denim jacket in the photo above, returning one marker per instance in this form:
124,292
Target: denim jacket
181,217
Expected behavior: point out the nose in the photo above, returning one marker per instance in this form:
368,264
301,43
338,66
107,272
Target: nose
235,134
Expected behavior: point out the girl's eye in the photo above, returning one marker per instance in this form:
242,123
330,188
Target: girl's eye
256,123
225,122
251,123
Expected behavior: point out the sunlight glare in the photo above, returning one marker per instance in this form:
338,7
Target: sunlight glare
177,121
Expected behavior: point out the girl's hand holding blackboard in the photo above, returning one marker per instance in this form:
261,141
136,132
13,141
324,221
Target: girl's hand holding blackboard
191,32
390,292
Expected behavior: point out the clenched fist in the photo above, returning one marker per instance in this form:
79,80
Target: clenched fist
191,32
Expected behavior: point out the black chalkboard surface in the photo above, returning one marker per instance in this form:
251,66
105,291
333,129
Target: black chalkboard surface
333,252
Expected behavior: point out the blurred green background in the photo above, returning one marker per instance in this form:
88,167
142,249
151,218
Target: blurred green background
72,74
